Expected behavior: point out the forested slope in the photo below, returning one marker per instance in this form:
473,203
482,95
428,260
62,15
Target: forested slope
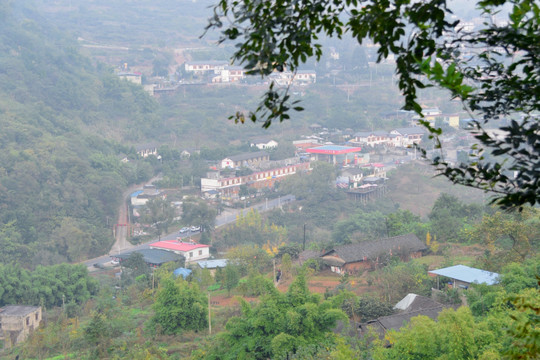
63,124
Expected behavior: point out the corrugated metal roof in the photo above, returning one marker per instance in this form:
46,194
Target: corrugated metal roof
468,274
212,264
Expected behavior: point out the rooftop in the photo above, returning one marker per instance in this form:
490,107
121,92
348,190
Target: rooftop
368,133
207,62
17,310
212,264
333,149
182,272
152,256
175,245
414,302
247,156
468,274
374,248
410,130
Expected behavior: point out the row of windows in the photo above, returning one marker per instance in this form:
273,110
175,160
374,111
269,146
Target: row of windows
191,253
260,176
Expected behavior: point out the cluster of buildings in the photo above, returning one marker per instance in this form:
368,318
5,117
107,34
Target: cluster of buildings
262,173
223,72
400,137
216,71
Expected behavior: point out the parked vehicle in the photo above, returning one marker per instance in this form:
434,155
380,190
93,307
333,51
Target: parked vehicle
195,228
184,230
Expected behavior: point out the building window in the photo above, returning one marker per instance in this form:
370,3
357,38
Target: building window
200,252
36,316
28,320
191,254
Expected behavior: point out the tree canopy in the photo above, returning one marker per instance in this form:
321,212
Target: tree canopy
494,70
277,326
180,306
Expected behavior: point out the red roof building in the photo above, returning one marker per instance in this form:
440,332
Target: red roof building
190,250
333,153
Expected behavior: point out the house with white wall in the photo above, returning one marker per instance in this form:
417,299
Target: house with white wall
190,250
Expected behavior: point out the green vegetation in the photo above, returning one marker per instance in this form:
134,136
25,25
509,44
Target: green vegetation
179,307
276,327
60,184
48,286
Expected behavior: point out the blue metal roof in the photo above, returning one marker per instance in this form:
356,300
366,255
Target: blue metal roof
182,271
468,274
212,264
136,193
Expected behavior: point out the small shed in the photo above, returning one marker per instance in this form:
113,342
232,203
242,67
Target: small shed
17,322
462,276
212,265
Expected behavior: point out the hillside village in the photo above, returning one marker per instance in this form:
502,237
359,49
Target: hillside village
138,222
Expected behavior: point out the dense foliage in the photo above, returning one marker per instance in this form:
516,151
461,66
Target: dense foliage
47,286
179,307
60,184
277,326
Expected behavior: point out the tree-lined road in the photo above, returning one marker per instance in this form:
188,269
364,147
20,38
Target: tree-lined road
227,217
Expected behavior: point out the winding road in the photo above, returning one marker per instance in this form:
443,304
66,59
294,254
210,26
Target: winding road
229,216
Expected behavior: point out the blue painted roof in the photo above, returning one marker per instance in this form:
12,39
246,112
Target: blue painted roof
136,193
182,271
212,264
468,274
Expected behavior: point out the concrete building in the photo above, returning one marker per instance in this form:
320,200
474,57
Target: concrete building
229,187
245,160
190,250
17,322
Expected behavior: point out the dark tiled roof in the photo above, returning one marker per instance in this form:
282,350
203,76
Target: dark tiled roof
385,323
308,254
368,133
248,156
17,310
375,248
418,303
152,256
411,130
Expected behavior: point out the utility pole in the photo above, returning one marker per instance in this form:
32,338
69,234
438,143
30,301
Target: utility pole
304,243
209,316
274,263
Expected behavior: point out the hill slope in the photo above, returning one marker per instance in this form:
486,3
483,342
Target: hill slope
59,180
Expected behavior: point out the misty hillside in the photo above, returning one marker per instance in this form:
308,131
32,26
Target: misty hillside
60,183
130,23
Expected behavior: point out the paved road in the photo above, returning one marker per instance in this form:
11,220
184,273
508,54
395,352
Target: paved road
227,217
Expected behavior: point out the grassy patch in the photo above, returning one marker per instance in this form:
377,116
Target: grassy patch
415,188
